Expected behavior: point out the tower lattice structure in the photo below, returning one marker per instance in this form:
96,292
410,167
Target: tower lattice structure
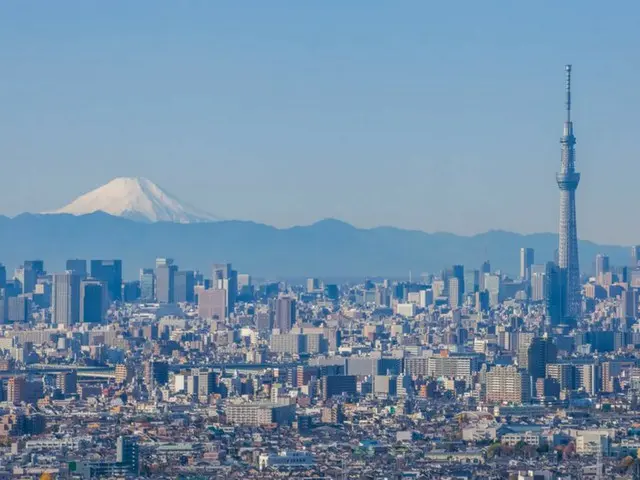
568,180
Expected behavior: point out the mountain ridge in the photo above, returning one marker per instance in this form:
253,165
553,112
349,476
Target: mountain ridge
319,249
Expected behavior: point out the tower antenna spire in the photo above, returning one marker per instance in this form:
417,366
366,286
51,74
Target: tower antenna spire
568,88
568,262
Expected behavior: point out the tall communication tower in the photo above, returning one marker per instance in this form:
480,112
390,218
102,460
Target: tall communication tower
568,180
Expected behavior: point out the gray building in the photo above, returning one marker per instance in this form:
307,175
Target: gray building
19,308
165,280
471,281
493,284
635,255
538,282
385,385
65,298
526,260
206,381
184,286
455,292
147,285
602,266
212,304
291,343
225,278
457,272
285,314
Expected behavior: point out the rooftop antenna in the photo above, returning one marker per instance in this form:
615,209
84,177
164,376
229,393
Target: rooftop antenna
568,88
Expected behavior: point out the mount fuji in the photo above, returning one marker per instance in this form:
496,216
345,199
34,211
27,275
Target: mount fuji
136,198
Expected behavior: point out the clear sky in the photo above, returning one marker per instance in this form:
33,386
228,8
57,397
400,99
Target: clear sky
438,116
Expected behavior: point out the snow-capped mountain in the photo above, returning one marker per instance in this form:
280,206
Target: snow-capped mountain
137,199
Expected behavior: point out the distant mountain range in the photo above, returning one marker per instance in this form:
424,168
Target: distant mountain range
329,248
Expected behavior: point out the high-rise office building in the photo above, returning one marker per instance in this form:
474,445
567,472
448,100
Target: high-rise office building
184,286
482,301
457,272
554,294
493,285
285,314
471,281
568,180
77,266
19,308
31,270
128,453
109,271
602,266
628,307
65,298
18,278
538,279
541,351
35,265
623,273
94,301
165,280
635,255
147,285
225,278
3,276
6,294
131,291
455,297
526,260
484,268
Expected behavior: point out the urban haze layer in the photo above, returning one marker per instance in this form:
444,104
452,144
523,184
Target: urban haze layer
467,373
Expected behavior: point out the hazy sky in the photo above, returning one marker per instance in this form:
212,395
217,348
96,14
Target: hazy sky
438,116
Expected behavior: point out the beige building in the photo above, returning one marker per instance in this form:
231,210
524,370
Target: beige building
508,384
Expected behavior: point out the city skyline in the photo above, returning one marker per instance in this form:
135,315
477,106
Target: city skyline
364,113
295,307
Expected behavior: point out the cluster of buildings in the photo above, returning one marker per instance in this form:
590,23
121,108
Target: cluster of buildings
467,373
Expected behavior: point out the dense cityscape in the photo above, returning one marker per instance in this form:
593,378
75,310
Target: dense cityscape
463,373
114,369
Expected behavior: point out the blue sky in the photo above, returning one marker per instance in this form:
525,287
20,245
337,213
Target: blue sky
438,116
